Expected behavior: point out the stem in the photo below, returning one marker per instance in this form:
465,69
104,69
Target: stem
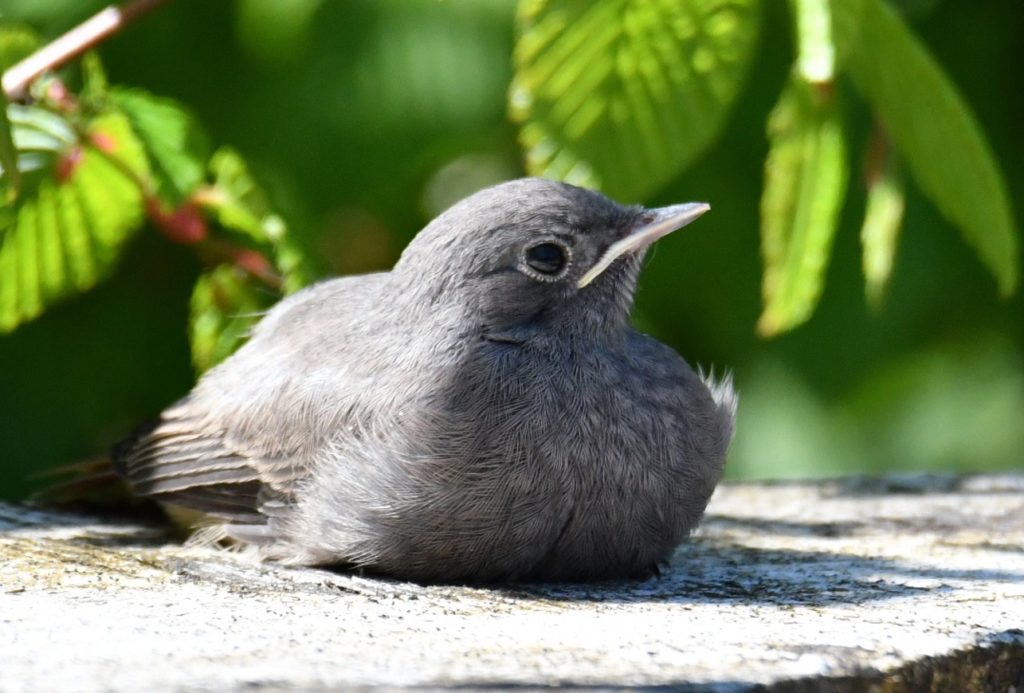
89,33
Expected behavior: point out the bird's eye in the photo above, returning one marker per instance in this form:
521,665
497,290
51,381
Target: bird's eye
547,258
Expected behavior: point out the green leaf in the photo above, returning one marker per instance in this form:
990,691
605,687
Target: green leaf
805,182
67,233
172,138
29,144
276,29
111,134
932,127
226,301
39,138
815,49
95,87
8,155
40,120
225,304
882,219
17,42
625,94
239,203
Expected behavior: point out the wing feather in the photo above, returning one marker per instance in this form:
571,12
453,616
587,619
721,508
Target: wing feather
194,469
237,445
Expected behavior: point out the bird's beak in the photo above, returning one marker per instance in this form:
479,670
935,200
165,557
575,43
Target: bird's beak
652,225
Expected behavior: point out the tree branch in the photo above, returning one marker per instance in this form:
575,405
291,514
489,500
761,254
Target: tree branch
89,33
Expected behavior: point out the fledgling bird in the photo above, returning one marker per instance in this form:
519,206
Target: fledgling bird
482,412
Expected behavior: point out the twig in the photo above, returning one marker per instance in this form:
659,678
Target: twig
92,31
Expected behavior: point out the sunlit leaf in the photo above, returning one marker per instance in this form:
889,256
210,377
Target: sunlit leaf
932,127
27,120
624,94
815,49
882,219
37,137
67,233
239,203
172,138
226,302
805,182
111,134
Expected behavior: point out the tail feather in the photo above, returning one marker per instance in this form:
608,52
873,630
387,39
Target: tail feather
725,397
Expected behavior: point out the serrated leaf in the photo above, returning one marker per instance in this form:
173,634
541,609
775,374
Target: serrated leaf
242,204
172,138
35,120
624,94
239,203
111,135
65,234
225,304
932,127
226,301
40,137
882,219
805,182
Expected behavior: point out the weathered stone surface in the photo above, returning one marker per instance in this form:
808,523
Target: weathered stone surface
842,585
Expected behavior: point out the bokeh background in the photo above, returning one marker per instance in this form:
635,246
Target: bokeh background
365,118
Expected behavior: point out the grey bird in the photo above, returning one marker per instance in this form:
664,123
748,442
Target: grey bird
482,412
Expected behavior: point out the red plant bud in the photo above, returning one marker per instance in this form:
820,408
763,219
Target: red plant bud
103,142
58,95
67,164
184,225
56,91
253,262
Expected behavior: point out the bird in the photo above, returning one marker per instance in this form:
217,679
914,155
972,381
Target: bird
483,412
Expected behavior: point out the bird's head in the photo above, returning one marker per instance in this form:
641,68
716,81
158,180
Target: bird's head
532,258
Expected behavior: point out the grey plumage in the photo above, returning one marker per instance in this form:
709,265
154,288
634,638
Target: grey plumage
470,415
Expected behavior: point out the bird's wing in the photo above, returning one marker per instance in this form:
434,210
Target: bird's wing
236,446
200,465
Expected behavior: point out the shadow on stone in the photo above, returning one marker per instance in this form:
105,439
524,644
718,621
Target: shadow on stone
712,571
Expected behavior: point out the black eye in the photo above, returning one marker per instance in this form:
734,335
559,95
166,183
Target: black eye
546,258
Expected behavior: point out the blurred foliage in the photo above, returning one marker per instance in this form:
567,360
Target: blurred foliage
82,174
71,218
933,128
883,216
361,120
805,183
622,95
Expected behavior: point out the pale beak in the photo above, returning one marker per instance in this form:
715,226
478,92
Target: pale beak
653,224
